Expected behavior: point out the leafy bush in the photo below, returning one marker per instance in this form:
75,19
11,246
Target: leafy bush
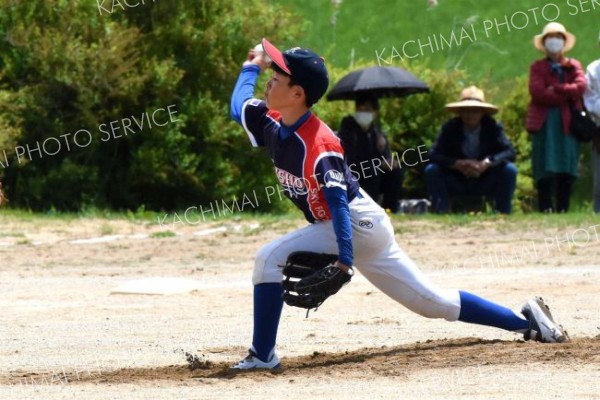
513,109
65,67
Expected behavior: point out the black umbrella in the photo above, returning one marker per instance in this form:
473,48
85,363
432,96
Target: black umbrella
377,81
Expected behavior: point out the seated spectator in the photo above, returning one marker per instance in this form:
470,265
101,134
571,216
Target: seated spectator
364,142
471,156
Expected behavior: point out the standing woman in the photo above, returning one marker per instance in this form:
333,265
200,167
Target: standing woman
555,82
592,103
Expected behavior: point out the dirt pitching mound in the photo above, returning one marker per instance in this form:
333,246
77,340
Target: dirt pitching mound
384,361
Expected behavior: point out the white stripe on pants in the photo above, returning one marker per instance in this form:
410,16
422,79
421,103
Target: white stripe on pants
376,255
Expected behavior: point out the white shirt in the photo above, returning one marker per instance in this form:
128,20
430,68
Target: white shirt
591,97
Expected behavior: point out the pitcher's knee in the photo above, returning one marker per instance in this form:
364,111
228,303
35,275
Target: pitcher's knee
443,306
266,269
438,311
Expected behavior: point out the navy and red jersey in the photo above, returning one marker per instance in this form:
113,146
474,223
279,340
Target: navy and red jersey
309,158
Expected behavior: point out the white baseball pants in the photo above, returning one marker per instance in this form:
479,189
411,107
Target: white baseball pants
376,255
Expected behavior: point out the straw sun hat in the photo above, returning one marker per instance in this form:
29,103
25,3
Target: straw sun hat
554,27
472,97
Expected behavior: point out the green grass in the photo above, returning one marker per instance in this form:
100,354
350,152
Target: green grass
139,216
162,234
362,28
571,218
514,223
578,218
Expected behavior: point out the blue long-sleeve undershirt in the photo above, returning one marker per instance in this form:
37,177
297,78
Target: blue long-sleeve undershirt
337,200
244,90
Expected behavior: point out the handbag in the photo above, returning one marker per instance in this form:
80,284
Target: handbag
582,127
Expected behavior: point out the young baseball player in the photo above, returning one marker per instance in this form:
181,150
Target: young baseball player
309,163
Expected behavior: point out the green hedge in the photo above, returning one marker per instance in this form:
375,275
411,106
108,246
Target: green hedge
65,67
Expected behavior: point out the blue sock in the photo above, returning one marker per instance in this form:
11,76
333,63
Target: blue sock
268,302
475,310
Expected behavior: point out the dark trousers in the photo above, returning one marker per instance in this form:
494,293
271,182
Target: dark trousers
371,185
498,182
388,184
391,188
559,184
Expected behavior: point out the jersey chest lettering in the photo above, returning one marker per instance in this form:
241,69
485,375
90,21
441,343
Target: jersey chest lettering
295,185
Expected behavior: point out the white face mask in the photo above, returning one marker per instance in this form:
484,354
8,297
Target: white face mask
364,118
554,45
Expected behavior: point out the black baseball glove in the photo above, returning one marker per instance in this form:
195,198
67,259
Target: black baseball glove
310,278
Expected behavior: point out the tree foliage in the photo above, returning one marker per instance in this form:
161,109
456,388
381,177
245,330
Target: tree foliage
66,66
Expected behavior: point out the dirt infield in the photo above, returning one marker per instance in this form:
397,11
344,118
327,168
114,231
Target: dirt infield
64,336
384,361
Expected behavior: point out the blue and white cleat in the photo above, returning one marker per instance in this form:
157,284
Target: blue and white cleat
542,327
253,362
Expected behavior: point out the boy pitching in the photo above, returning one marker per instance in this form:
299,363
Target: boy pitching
309,163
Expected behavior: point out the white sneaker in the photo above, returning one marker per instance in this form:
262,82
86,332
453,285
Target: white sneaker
542,327
253,362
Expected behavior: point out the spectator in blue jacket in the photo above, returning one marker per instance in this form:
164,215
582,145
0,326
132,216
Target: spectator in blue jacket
471,156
